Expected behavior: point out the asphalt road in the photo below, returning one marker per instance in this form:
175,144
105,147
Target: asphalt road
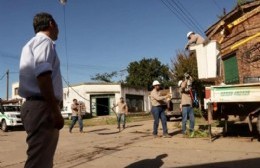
135,147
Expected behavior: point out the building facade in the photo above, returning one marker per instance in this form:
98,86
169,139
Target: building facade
238,35
99,98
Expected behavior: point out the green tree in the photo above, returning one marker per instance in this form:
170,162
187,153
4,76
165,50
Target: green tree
184,62
144,72
105,77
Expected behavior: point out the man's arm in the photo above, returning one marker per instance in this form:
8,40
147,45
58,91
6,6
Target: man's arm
46,88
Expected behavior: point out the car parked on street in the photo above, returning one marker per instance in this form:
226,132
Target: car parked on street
10,117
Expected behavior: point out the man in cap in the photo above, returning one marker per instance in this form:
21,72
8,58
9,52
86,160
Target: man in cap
186,106
158,111
194,38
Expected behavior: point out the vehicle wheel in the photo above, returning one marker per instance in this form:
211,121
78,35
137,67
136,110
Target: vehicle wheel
4,126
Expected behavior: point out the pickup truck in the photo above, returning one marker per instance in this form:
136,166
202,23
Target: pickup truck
173,109
10,117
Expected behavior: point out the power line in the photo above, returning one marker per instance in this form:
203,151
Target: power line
67,83
183,15
3,76
189,16
217,5
175,13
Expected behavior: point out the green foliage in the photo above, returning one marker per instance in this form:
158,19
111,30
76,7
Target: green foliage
183,63
105,77
187,62
141,74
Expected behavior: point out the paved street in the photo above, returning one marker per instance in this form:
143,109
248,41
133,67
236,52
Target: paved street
135,147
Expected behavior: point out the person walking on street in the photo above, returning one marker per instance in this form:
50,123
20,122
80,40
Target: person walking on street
194,38
122,112
76,109
158,111
41,85
186,105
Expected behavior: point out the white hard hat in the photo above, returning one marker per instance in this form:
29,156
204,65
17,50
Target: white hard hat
156,83
179,83
189,33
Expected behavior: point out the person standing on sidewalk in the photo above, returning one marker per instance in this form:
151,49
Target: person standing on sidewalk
76,109
186,105
122,112
41,85
158,111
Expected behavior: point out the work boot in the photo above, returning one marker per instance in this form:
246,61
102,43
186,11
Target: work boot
166,136
192,135
155,136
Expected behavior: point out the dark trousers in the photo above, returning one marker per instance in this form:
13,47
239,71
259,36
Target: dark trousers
158,113
42,137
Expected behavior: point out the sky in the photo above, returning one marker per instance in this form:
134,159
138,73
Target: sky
98,36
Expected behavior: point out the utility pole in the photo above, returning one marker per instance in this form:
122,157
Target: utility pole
7,84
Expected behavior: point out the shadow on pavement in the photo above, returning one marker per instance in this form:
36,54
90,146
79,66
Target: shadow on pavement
108,133
97,130
252,163
137,125
151,163
175,132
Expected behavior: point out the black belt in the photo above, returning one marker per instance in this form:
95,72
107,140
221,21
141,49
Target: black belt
35,98
186,105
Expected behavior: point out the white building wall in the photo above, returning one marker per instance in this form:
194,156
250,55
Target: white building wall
83,92
141,92
14,93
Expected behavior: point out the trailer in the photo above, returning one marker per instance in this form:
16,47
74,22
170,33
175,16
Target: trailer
230,58
241,100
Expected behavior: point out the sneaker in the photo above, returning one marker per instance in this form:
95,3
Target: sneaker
192,135
166,136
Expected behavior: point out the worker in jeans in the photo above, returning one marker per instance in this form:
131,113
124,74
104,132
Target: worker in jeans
122,112
186,105
76,115
158,110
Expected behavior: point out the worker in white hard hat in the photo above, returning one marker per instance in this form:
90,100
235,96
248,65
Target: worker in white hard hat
193,38
158,109
186,105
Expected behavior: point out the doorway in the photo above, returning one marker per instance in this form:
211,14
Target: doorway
102,105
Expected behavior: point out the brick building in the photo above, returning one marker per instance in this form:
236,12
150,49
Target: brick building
238,34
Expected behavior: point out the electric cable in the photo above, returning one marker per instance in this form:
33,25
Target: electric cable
189,16
217,5
80,94
180,19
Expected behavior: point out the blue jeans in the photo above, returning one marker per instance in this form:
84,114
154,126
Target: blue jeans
187,111
158,113
120,117
74,120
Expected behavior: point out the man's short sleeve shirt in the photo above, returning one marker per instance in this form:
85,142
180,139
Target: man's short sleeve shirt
39,56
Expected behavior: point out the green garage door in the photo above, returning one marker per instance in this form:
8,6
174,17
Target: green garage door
231,70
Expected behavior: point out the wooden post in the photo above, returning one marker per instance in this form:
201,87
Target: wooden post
210,120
